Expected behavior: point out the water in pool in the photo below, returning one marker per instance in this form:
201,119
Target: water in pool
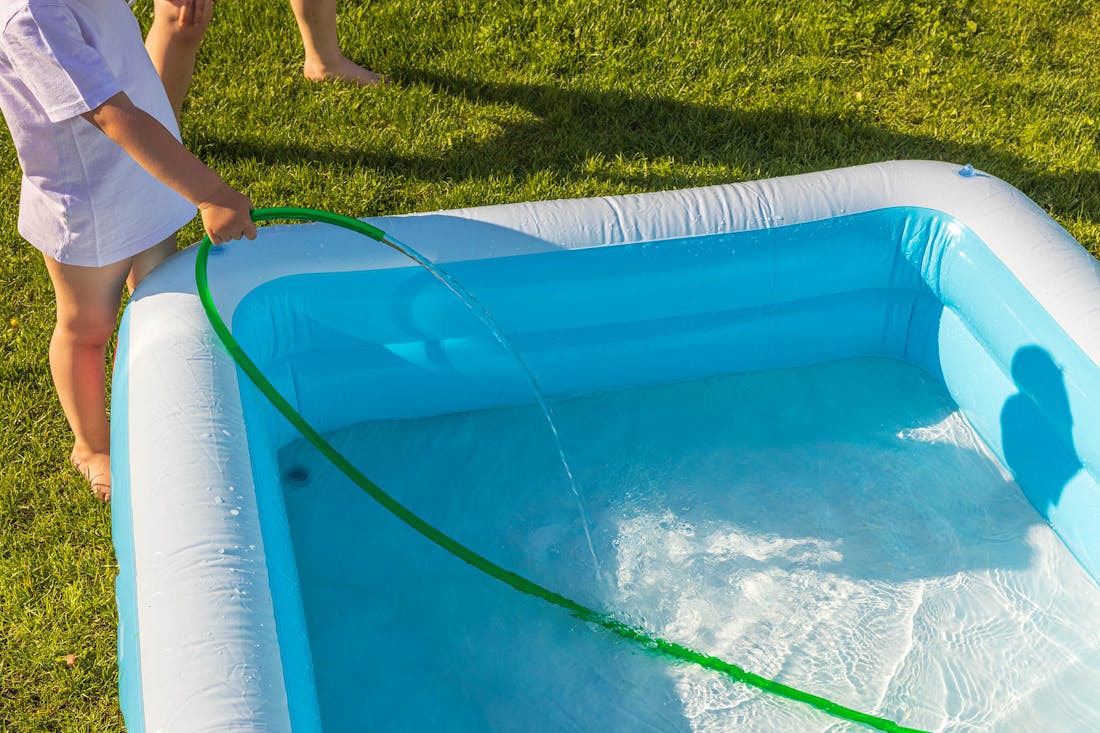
837,527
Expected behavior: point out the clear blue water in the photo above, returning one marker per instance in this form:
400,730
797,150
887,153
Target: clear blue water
838,528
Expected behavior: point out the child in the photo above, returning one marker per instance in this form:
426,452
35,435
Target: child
106,183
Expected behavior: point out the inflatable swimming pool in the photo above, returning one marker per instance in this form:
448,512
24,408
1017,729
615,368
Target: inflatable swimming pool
938,266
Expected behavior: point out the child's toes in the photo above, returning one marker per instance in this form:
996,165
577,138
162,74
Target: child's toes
96,470
101,491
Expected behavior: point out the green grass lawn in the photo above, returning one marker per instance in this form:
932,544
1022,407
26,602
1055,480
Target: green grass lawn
511,100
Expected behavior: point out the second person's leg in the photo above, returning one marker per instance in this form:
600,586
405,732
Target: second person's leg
324,59
173,42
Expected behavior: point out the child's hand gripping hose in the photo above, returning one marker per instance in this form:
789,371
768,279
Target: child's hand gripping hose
606,621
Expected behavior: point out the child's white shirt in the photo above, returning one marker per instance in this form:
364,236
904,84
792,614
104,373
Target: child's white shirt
84,200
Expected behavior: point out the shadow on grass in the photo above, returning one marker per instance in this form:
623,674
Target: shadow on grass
572,126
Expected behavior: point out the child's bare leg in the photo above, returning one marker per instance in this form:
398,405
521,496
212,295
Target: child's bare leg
173,42
87,310
324,59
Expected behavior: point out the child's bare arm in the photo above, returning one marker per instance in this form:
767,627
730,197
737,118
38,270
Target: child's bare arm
225,211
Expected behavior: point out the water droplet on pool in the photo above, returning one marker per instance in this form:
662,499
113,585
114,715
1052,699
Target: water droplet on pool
234,512
218,500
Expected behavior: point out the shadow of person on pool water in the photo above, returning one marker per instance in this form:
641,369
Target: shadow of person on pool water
1036,429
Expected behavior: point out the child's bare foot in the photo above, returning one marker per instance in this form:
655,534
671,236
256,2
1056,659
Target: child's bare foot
343,69
96,470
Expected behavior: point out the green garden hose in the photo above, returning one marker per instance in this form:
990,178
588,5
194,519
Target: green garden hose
606,621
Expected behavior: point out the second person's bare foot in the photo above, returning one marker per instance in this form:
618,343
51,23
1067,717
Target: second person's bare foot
343,69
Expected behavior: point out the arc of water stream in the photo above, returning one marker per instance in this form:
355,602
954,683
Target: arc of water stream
486,318
607,621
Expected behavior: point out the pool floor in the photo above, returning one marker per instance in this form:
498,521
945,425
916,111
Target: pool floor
838,528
